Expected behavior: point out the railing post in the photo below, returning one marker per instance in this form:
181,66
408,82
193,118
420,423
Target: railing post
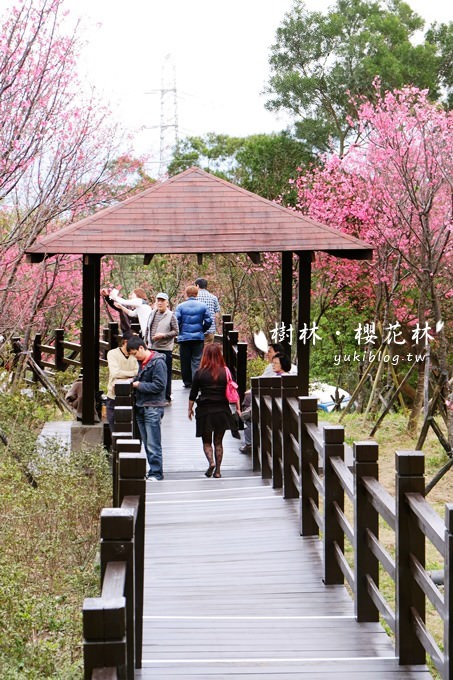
123,418
290,433
366,518
226,344
276,435
233,337
410,540
113,334
104,635
59,350
241,373
117,545
36,353
126,444
265,424
308,413
255,423
132,469
333,498
448,593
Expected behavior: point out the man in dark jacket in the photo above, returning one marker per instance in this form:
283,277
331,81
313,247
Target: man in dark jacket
149,384
194,320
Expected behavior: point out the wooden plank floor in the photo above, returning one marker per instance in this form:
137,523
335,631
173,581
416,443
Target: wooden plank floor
231,589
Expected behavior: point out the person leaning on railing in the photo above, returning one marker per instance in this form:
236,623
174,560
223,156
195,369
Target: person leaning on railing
136,305
122,365
74,397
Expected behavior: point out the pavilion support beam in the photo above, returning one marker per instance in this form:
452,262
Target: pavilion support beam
286,303
199,259
303,321
91,271
147,258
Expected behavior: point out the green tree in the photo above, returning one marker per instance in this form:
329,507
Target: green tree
265,163
213,152
261,163
319,60
441,36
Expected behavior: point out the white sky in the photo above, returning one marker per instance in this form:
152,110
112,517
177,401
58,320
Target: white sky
218,60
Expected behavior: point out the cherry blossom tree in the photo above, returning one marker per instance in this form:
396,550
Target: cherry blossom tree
59,153
394,190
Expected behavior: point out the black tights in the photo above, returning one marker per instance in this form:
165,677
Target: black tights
217,451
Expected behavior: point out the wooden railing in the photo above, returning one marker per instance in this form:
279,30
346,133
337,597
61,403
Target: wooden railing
113,622
235,354
307,460
62,353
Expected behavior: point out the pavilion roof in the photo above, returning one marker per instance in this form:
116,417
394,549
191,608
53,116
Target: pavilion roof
196,212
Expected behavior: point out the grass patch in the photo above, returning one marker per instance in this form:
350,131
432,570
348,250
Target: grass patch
50,537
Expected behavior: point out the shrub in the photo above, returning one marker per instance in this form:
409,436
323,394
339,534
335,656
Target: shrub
50,535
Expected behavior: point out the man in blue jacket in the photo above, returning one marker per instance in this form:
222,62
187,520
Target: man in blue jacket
149,385
194,320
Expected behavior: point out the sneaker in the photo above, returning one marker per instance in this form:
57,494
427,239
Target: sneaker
149,475
245,449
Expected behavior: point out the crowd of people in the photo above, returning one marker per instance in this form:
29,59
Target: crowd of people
146,360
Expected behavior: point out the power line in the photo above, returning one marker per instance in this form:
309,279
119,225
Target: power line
168,126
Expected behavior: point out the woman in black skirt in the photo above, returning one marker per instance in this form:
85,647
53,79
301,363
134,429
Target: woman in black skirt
213,415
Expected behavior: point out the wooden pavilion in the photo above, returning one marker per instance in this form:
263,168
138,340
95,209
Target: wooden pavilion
195,212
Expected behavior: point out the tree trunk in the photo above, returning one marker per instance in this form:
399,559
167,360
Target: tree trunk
417,403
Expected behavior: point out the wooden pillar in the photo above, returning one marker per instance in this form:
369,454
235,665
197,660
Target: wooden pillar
132,487
303,321
333,536
255,424
241,371
36,353
90,334
366,518
410,540
286,302
266,387
227,326
117,545
276,436
309,495
290,434
59,350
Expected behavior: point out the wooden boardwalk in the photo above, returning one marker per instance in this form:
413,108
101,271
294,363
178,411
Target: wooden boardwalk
231,589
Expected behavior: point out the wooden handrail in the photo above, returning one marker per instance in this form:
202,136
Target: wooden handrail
429,521
122,558
305,447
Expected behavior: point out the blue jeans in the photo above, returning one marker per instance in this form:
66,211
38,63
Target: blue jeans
148,420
